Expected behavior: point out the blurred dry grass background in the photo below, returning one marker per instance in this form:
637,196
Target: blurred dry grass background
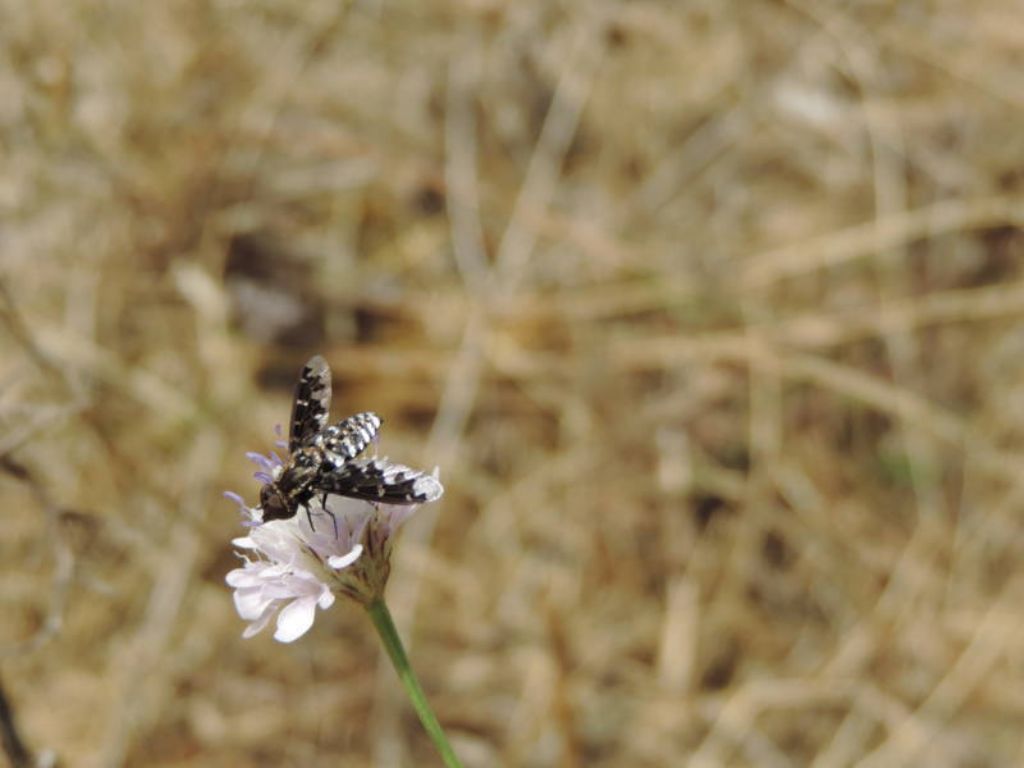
711,314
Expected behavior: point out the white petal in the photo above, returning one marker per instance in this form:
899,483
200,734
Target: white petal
396,516
239,577
337,562
343,506
274,541
285,589
257,626
273,571
295,620
250,572
251,602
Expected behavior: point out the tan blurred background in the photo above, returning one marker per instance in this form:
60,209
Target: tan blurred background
712,314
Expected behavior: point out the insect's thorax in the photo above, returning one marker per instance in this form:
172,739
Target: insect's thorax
300,471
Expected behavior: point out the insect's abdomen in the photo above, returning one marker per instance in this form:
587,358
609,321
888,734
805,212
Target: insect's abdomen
348,438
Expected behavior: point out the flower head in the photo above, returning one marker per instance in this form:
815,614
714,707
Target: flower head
332,545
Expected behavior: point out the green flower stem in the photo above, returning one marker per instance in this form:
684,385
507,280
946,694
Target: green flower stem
381,616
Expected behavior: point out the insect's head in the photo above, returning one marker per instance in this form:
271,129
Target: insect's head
274,503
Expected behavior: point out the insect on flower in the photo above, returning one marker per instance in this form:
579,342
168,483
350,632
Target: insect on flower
325,460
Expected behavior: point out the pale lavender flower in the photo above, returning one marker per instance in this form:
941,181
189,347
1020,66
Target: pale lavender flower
293,566
287,573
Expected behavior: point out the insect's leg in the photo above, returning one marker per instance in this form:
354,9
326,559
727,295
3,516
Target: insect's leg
309,516
323,503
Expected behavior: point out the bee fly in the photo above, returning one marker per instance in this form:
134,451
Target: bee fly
324,460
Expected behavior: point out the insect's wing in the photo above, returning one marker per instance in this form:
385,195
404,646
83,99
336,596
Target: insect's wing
312,402
380,481
348,438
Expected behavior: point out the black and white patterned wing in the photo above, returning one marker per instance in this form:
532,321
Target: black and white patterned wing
312,402
348,438
381,481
